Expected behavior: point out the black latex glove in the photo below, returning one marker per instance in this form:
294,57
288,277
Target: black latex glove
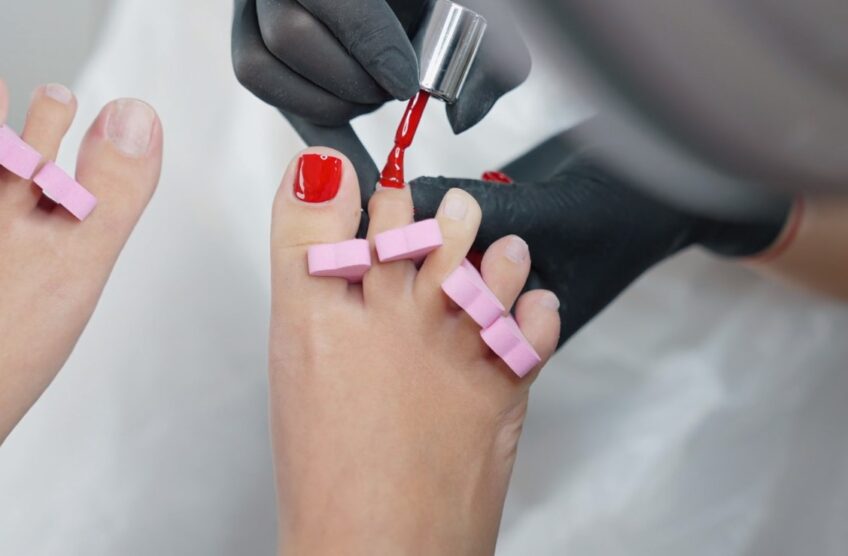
325,62
590,232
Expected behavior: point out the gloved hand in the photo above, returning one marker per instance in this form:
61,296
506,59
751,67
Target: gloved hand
590,232
325,62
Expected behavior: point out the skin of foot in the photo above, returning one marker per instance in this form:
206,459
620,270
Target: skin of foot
54,267
395,429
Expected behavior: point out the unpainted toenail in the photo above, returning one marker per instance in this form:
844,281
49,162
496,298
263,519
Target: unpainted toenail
550,301
516,250
59,93
456,206
130,127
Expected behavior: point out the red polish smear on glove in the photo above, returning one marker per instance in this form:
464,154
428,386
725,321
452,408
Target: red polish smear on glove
393,174
497,177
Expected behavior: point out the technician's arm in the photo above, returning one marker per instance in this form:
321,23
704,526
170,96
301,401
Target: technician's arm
813,248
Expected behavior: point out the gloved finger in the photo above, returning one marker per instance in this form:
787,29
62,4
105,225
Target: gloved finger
277,84
372,33
343,139
304,44
507,209
502,64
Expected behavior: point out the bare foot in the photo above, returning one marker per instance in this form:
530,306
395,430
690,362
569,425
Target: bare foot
395,428
53,266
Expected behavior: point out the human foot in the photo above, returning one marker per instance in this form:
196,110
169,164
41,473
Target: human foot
54,266
395,428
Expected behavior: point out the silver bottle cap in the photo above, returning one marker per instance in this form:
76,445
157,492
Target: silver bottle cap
447,46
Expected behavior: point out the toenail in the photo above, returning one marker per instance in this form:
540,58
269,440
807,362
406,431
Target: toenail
318,179
130,127
550,301
517,250
456,206
59,93
16,155
411,242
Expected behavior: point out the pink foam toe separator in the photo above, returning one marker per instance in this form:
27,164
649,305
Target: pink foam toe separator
411,242
505,338
467,289
63,190
16,156
349,260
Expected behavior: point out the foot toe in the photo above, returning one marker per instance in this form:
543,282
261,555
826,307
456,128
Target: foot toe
51,113
388,210
537,314
119,163
505,267
459,219
318,203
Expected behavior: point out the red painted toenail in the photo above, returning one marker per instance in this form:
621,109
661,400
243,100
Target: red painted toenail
318,179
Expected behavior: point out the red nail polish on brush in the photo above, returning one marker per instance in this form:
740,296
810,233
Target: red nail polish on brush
393,174
318,179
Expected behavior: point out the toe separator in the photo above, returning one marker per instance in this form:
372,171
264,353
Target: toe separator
16,155
349,260
63,190
413,242
466,287
505,338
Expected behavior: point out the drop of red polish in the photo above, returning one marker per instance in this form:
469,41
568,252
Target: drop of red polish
497,177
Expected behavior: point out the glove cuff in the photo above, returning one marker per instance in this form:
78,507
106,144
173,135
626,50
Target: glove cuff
767,238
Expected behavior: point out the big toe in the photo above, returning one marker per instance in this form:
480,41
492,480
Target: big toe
318,204
119,162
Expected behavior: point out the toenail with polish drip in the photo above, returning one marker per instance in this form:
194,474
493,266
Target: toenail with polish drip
318,179
467,289
349,260
411,242
63,190
504,337
16,155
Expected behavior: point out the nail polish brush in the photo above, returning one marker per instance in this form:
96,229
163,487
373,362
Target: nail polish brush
446,46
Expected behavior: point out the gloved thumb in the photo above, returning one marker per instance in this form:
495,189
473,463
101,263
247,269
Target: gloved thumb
502,64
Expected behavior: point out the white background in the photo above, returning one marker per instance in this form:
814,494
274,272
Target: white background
702,415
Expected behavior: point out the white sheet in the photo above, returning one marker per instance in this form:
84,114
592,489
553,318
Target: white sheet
700,416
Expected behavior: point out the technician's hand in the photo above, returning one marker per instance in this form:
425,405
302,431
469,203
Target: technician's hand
325,62
591,234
